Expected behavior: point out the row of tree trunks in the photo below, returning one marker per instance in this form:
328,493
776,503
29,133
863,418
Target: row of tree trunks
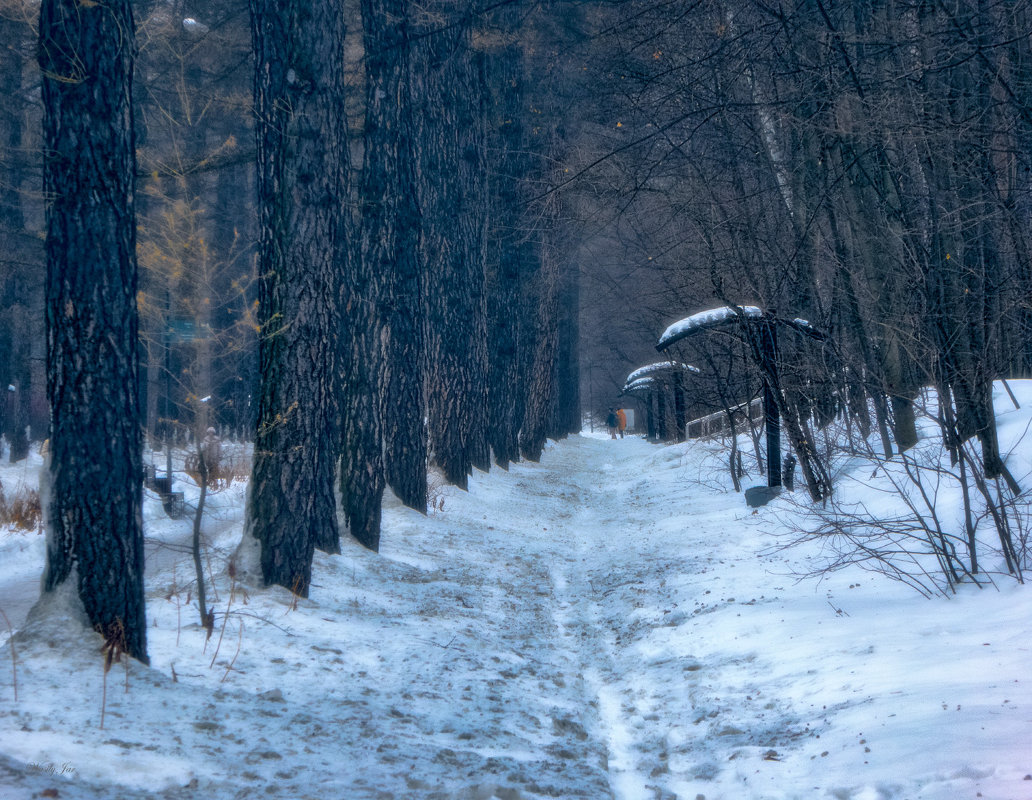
336,359
962,272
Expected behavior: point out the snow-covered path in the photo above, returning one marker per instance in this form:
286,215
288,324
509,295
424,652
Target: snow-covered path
605,624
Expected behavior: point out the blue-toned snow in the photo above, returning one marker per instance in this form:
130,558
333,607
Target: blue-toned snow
613,622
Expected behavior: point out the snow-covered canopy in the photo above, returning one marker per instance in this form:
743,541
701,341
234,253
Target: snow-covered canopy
659,367
715,317
704,320
640,385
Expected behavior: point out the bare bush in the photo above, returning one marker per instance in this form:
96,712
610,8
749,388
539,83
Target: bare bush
929,518
234,467
21,510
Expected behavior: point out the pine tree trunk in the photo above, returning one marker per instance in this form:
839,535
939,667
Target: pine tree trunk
542,395
95,529
362,478
509,243
390,241
362,466
303,188
452,198
569,410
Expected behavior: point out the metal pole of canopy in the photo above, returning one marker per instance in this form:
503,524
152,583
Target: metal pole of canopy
771,418
167,428
680,408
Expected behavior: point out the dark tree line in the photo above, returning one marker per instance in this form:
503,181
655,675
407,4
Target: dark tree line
375,215
444,353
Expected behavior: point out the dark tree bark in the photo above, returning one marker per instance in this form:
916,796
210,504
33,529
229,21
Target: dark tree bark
95,535
448,78
362,477
569,402
390,242
510,247
542,395
379,345
680,408
662,416
303,189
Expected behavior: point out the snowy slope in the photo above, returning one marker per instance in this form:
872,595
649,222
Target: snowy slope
610,623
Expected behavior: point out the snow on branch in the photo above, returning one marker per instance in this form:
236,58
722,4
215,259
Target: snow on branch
803,326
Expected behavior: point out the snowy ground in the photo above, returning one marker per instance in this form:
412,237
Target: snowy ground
610,623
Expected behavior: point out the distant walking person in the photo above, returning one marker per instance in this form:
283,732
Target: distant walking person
621,420
612,422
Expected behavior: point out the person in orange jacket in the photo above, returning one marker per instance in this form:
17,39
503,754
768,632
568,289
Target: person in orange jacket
621,421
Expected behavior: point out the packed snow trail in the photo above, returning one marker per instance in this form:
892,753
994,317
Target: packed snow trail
608,624
471,658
